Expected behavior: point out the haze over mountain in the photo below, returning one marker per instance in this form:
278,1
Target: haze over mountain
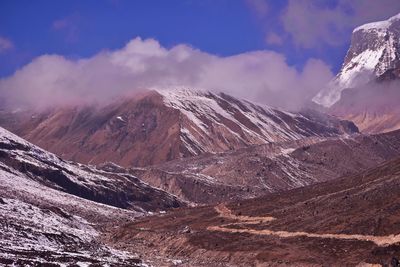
366,90
373,107
375,49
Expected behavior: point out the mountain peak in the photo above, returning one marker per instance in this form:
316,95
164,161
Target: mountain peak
374,49
166,124
179,90
378,25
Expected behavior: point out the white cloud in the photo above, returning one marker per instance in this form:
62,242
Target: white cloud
315,23
263,76
5,44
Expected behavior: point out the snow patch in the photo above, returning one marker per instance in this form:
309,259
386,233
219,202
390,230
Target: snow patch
120,118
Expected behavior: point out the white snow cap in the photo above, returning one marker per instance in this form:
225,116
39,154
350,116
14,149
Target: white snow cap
367,64
378,25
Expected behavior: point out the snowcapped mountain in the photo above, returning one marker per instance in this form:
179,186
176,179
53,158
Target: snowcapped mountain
221,121
375,49
161,125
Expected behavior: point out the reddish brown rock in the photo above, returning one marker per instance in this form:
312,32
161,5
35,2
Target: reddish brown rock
155,127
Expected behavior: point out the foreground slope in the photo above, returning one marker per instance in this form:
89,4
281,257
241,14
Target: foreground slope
55,212
157,126
349,221
116,188
40,226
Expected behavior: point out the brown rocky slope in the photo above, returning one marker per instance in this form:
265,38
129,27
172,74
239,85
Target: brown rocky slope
346,222
262,169
157,126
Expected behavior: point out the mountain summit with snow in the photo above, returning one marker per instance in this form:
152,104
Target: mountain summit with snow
375,49
159,125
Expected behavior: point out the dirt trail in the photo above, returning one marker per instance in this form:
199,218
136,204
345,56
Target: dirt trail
224,212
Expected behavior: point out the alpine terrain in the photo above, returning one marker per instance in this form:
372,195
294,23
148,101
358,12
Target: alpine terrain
122,158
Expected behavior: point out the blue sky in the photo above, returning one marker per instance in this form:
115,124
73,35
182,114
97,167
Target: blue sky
276,52
78,29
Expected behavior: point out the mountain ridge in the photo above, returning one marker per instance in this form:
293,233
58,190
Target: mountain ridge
161,126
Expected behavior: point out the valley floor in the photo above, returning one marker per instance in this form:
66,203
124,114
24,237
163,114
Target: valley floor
352,221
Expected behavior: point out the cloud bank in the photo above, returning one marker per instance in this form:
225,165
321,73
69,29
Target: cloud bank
261,76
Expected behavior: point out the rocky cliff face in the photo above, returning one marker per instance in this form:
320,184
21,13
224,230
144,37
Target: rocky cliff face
162,125
375,49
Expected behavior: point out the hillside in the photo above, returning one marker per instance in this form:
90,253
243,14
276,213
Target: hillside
263,169
349,221
158,126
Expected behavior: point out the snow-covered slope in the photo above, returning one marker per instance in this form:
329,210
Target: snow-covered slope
163,124
213,122
375,48
55,213
39,235
118,189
